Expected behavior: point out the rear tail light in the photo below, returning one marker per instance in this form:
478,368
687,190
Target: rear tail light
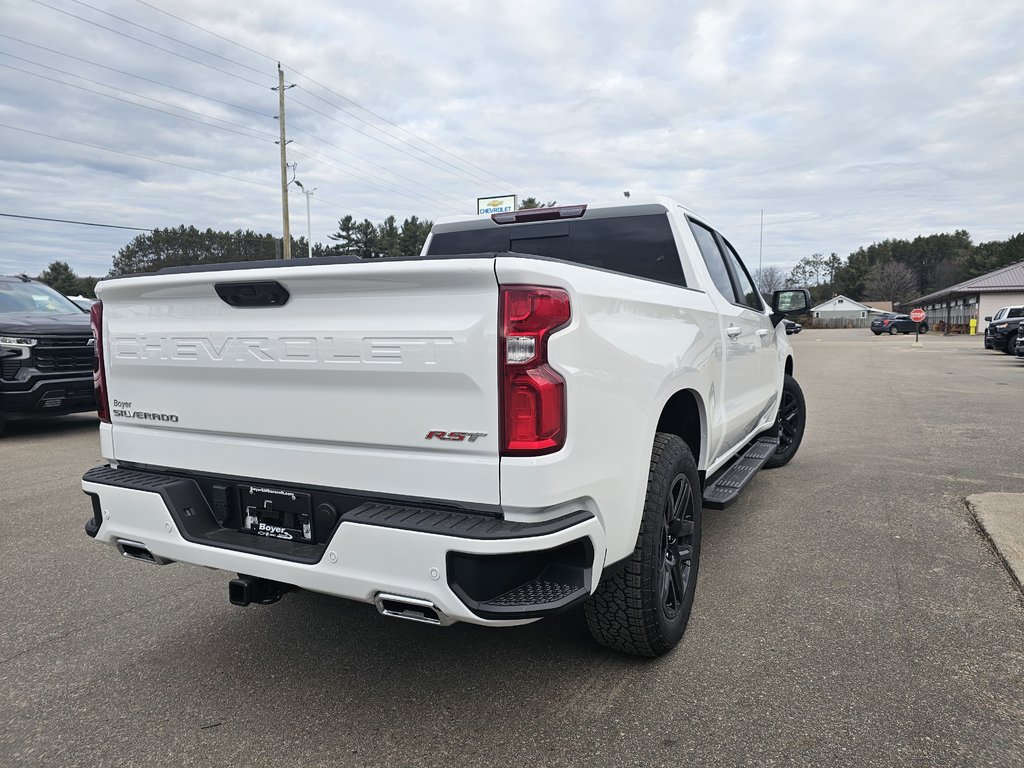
99,373
532,392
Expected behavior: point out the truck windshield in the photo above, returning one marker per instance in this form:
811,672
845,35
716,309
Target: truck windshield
641,246
34,298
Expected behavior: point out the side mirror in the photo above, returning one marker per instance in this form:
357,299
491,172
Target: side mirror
789,302
988,318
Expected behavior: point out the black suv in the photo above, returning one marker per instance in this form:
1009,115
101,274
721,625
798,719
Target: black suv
46,352
893,324
1002,329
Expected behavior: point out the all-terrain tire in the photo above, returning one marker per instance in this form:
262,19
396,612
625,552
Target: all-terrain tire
791,421
642,607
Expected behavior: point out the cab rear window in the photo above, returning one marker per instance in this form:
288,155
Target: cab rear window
641,246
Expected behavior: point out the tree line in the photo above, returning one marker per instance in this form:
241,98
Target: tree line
895,270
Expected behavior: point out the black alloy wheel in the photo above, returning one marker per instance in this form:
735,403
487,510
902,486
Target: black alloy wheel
790,423
676,547
642,606
1011,345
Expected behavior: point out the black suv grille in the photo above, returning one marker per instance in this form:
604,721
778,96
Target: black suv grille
63,354
9,369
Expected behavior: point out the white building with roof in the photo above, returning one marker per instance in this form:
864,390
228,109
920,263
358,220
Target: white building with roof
973,299
843,312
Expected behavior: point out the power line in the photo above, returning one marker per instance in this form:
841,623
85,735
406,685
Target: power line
258,135
130,74
371,162
454,169
71,221
374,138
265,137
136,156
412,195
399,127
167,37
344,98
149,44
207,31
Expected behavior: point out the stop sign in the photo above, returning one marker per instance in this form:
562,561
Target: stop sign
917,315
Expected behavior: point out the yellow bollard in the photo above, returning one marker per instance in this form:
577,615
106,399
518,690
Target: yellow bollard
974,326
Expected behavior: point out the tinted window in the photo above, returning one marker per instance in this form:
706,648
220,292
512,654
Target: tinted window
713,258
35,298
751,298
470,241
642,246
1016,312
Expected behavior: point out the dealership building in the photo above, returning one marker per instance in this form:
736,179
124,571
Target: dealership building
973,299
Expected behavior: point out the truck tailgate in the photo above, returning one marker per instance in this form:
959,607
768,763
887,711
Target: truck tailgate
337,387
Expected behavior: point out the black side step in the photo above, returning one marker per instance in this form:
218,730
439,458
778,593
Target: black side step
726,486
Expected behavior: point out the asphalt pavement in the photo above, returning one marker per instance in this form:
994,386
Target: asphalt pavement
849,612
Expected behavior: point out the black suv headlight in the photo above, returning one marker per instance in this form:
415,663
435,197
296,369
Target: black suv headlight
16,346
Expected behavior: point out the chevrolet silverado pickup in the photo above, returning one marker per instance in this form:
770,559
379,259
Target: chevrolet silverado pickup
528,416
46,352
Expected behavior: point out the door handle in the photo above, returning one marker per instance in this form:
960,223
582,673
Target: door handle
732,331
762,332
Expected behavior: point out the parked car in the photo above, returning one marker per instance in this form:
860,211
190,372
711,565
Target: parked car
46,352
893,324
1001,333
1020,345
792,327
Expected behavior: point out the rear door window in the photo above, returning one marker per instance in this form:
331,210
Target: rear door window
745,286
714,260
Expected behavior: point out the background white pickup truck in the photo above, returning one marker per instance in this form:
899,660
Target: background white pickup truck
524,418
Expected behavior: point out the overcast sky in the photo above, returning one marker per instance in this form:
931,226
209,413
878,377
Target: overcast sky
847,122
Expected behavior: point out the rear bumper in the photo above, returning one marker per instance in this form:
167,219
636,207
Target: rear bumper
474,569
49,396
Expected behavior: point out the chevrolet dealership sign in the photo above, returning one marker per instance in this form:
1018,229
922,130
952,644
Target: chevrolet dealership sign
489,205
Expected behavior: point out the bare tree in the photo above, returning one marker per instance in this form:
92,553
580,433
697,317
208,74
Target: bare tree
769,279
892,281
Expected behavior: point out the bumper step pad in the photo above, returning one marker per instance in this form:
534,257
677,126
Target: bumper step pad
726,486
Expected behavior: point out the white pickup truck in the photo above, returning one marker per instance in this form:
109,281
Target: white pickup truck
527,417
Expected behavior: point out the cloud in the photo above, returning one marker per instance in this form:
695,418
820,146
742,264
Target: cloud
845,124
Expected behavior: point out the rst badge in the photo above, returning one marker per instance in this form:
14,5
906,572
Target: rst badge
455,437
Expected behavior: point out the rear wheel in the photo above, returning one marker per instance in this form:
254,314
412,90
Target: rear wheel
791,421
893,330
643,607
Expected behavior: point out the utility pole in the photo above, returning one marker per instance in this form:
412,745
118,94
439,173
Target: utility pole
309,230
760,245
286,242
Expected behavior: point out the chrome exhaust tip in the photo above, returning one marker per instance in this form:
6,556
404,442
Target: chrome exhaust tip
411,608
138,551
